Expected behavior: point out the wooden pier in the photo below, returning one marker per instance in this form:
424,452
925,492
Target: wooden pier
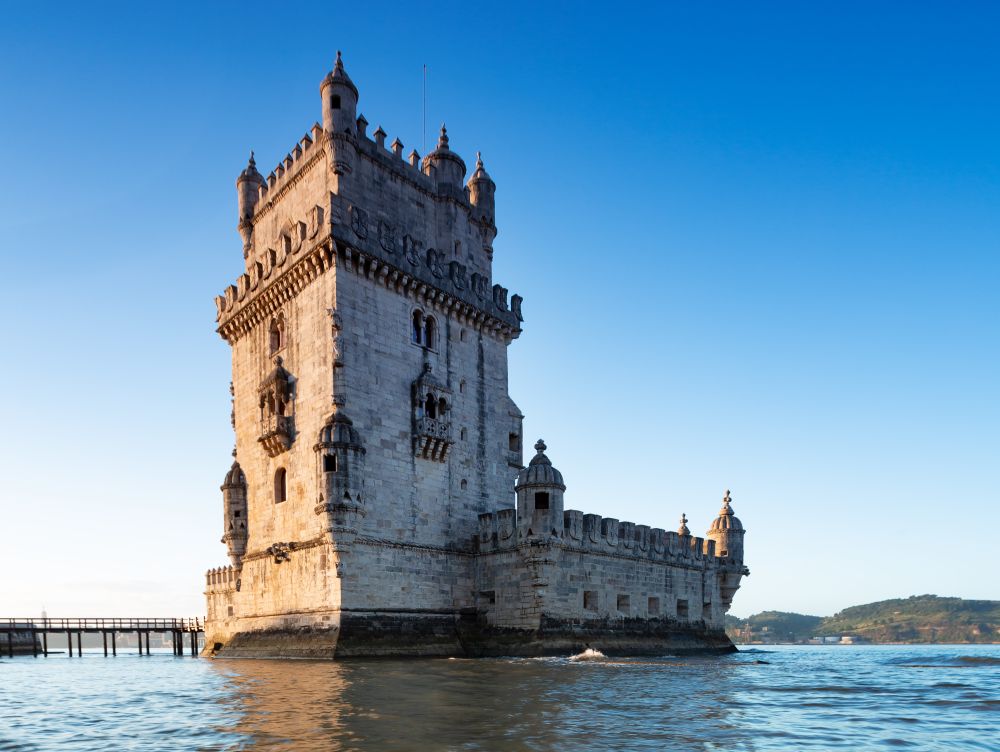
106,627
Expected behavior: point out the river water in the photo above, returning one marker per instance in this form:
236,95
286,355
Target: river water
780,698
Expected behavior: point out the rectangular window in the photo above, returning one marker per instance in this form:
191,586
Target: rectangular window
514,442
623,603
542,500
654,607
329,463
682,608
590,600
706,611
490,596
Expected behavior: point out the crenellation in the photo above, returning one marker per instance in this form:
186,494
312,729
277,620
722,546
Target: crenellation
379,457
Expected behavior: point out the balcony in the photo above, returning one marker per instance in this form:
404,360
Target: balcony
432,438
276,434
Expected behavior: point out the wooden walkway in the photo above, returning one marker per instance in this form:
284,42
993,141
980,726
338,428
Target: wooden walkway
106,627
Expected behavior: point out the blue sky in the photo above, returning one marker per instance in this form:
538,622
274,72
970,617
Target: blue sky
758,246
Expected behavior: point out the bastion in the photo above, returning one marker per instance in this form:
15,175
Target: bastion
378,503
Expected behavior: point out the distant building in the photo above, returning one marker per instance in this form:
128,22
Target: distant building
379,503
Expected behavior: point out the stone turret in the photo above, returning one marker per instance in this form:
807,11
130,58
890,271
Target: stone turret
727,532
234,502
340,457
482,196
247,194
445,166
340,100
539,491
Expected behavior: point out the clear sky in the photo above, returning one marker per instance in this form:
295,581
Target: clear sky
757,242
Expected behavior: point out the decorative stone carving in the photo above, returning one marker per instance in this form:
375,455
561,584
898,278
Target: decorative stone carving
387,236
280,552
359,222
411,250
434,263
457,273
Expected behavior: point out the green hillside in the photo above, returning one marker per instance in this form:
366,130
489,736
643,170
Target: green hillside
919,618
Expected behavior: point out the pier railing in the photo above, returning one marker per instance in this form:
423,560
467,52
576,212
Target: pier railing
27,628
99,624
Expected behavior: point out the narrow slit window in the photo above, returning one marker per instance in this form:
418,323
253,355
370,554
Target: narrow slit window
280,487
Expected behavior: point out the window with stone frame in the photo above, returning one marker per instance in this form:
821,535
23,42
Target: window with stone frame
653,607
682,608
623,603
590,600
280,485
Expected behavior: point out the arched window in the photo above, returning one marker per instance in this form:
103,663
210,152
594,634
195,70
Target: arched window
280,488
430,407
442,407
429,332
417,334
465,484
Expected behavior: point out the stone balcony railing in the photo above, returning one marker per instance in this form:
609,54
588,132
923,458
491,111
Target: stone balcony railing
433,438
276,434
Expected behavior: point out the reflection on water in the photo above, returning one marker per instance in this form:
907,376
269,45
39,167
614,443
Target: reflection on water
791,698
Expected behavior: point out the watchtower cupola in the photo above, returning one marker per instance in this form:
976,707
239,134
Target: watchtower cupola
247,193
727,532
340,100
539,492
340,457
482,193
234,502
444,165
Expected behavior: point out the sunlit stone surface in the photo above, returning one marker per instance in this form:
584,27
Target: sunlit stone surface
378,503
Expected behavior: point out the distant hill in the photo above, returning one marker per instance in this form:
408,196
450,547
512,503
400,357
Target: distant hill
919,618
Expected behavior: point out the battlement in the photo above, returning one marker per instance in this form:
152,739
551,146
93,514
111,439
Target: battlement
221,580
498,531
301,154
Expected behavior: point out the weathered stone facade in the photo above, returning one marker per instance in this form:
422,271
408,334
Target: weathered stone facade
370,509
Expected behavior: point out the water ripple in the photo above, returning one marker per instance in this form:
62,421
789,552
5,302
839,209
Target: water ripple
801,698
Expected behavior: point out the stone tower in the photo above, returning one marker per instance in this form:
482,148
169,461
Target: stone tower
378,504
369,349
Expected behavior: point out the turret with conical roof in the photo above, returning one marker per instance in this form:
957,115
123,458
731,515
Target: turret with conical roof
247,193
539,491
727,532
482,196
341,466
234,503
444,165
340,100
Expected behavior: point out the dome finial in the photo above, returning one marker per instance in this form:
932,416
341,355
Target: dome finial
443,138
479,160
683,529
252,163
339,63
540,446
